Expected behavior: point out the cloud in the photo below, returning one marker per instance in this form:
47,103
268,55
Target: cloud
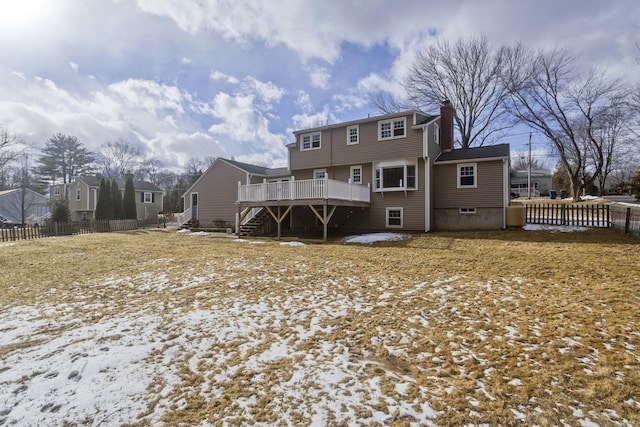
243,122
320,77
308,28
151,96
218,75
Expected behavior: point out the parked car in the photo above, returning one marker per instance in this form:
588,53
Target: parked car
5,223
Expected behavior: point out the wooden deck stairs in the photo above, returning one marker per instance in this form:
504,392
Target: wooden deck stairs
255,223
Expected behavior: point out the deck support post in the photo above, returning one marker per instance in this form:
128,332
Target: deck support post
279,217
325,217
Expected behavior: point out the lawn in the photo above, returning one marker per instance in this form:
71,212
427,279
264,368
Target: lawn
163,328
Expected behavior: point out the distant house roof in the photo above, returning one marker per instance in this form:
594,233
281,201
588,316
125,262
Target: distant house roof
488,152
138,185
17,190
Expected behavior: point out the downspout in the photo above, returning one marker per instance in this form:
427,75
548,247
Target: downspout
427,194
505,191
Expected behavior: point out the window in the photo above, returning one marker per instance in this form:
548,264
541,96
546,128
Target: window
394,217
353,135
398,176
310,141
147,197
467,175
390,129
319,173
78,194
56,191
436,134
467,211
356,174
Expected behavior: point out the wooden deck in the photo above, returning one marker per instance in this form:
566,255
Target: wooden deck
328,193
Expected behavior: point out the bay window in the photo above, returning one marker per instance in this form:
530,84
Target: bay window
390,176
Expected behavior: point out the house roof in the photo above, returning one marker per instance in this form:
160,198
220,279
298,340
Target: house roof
15,190
419,117
138,185
478,153
258,170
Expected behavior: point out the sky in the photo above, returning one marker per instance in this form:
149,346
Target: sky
234,78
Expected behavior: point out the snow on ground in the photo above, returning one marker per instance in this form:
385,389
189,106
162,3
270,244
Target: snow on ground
554,228
249,342
375,237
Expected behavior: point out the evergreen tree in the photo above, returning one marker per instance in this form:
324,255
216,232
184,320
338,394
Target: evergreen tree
104,207
129,200
60,211
64,157
116,198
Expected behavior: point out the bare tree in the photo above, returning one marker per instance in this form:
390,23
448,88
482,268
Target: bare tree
28,185
194,169
468,73
149,170
521,163
549,95
7,155
116,159
613,135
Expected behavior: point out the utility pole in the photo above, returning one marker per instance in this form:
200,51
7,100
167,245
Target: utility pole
529,173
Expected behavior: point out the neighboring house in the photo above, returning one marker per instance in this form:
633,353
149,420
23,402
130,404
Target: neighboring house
82,196
393,172
540,182
33,208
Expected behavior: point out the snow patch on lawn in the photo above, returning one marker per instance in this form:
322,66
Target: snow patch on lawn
292,244
375,237
554,228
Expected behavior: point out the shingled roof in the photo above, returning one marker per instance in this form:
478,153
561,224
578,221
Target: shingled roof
258,170
94,181
488,152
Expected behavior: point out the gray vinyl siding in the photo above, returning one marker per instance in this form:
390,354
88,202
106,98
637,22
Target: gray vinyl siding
217,193
489,192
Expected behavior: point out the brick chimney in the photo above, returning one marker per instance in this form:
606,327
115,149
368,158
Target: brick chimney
446,126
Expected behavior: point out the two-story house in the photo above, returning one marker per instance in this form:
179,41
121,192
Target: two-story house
392,172
82,197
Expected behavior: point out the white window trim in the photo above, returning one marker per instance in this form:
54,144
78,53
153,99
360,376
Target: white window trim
436,133
394,164
56,191
351,176
467,211
319,171
148,193
392,121
475,175
78,194
311,147
357,128
401,217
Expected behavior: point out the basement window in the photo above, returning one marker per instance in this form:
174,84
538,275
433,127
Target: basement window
467,211
394,217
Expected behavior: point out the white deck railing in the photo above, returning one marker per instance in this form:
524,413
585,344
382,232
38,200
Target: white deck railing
303,190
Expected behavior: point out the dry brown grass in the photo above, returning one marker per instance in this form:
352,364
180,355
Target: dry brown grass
483,326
